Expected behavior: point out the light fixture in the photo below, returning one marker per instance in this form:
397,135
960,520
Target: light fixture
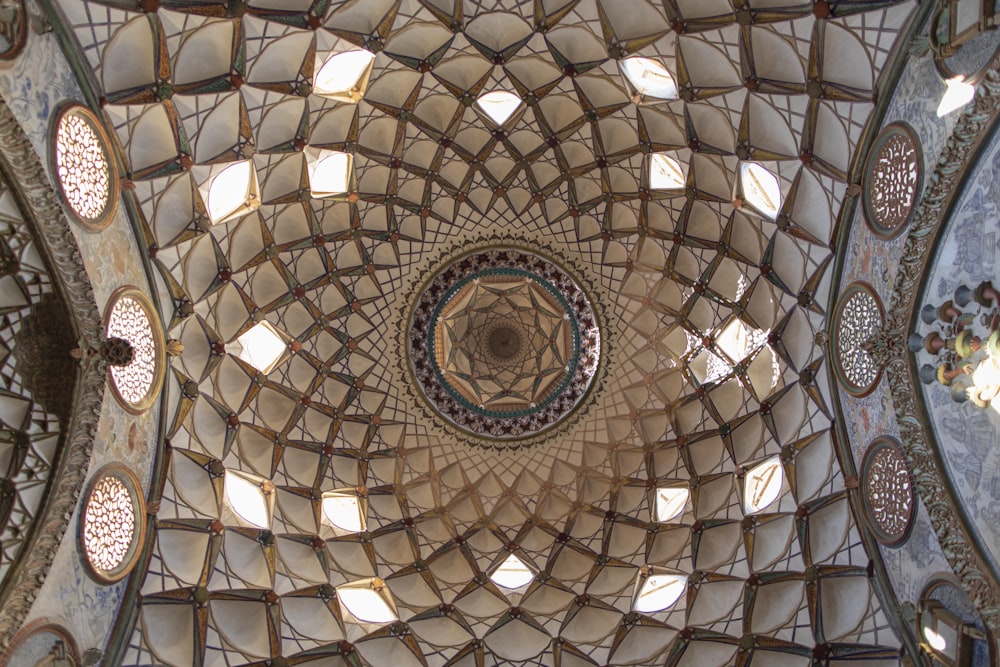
345,509
250,498
367,601
762,485
499,105
946,636
649,78
958,92
344,76
670,502
261,346
232,191
759,189
935,640
329,172
665,172
512,573
657,589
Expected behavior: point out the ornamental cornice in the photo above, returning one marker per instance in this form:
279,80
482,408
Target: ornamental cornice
971,129
24,169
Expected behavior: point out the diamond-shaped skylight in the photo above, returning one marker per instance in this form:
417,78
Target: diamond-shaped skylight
665,172
344,510
738,340
261,346
649,77
760,189
762,485
670,502
329,172
344,76
233,192
512,573
246,497
367,601
658,591
499,105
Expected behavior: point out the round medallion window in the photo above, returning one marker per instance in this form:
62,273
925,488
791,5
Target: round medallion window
889,498
856,318
82,162
112,523
134,349
503,343
891,180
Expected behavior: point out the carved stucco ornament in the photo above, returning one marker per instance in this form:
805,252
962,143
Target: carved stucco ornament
888,346
23,168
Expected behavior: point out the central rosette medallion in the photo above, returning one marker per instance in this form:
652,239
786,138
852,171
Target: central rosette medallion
503,343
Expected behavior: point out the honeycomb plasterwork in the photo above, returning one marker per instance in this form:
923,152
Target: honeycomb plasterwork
710,308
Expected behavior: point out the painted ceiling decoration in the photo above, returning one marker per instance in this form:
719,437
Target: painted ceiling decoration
50,401
503,343
614,217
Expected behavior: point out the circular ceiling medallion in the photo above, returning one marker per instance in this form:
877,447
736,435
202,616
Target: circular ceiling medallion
891,180
887,487
858,315
133,333
503,343
82,161
112,523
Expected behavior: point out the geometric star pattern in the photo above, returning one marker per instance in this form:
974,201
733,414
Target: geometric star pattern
504,341
713,313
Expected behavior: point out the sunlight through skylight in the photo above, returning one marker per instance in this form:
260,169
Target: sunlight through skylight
344,76
329,172
499,105
512,573
760,189
261,346
649,77
762,485
670,502
665,172
247,499
344,510
233,192
658,592
368,601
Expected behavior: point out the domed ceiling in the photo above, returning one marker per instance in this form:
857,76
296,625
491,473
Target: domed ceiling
304,168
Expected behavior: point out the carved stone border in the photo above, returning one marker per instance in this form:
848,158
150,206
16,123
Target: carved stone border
972,127
41,207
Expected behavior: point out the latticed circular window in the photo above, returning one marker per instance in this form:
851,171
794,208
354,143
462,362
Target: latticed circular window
134,349
858,315
889,501
892,180
112,523
83,164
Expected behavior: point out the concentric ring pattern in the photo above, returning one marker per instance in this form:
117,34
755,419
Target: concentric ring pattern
503,343
696,190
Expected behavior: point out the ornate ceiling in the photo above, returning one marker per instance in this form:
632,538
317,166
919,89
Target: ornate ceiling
698,204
